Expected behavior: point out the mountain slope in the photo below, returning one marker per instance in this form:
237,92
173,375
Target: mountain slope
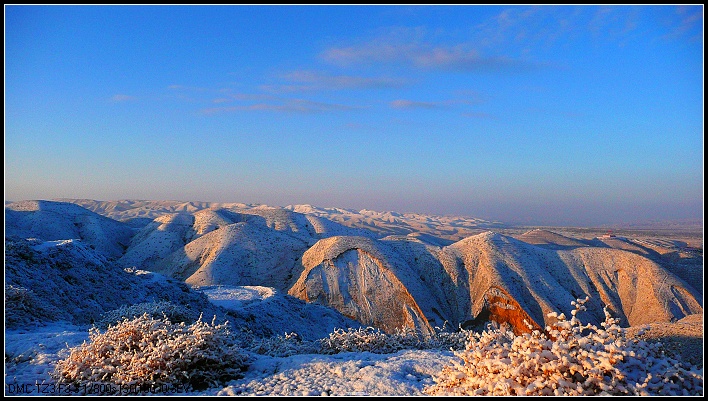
394,223
549,239
489,276
51,221
69,281
365,280
170,232
237,254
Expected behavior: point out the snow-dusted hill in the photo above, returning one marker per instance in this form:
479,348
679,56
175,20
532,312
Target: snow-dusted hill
237,254
366,280
385,269
69,281
515,281
51,221
397,283
129,209
365,222
394,223
169,237
267,312
549,239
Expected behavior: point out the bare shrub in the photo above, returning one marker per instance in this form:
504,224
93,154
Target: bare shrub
148,352
571,359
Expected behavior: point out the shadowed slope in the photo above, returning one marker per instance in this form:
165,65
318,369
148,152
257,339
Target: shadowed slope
51,221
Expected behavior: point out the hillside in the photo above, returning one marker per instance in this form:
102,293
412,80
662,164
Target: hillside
51,221
549,239
69,281
363,279
272,272
394,223
486,277
170,233
129,209
237,254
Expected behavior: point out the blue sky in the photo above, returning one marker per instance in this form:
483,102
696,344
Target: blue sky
571,115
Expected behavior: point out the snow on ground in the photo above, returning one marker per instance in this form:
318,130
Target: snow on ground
266,312
352,373
30,355
236,297
33,355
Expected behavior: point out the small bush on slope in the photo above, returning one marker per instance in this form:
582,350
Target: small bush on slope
574,359
147,353
175,313
367,339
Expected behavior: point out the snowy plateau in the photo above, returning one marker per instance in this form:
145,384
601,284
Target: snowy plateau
138,297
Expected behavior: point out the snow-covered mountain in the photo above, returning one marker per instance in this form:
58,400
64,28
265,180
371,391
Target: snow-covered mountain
170,236
394,223
549,239
129,209
69,281
237,254
385,269
380,223
366,280
394,283
51,221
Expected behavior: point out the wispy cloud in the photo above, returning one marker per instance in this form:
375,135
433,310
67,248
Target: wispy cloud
305,80
302,106
528,28
422,55
688,22
252,97
122,98
403,104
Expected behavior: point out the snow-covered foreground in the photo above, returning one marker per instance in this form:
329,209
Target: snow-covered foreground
604,363
352,373
34,354
30,355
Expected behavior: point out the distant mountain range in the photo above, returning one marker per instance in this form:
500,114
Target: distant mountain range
384,269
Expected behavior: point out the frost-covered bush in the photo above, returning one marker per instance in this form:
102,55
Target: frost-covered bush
284,345
367,339
571,359
150,353
374,340
444,339
174,313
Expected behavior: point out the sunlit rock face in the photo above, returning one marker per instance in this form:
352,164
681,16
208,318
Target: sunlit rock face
403,282
355,276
